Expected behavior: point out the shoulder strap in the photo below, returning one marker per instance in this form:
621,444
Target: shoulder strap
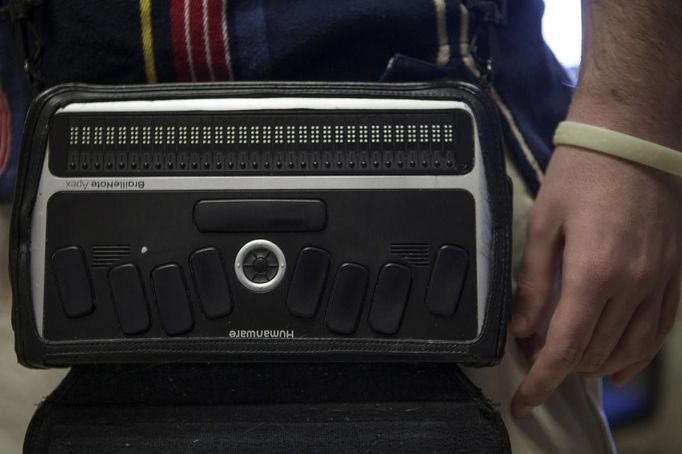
488,16
19,13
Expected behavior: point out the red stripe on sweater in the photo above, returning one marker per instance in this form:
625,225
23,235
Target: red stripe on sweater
180,57
198,48
215,33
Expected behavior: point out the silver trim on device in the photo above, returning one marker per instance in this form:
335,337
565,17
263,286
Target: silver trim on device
473,182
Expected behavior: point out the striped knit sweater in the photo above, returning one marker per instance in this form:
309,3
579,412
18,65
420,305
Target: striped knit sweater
157,41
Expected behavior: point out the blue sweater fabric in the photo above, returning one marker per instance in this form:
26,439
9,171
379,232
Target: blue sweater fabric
351,40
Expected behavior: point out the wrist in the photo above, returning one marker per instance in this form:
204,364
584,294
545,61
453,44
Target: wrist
630,115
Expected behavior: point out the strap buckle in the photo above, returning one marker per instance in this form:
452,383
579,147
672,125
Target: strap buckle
31,46
488,15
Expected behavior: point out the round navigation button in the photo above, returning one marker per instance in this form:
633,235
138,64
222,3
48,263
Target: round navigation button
260,265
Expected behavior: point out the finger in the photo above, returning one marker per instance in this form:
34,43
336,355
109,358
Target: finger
617,319
536,276
624,376
639,340
570,329
671,301
531,346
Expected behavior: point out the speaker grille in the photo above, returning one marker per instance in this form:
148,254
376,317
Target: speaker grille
104,255
416,254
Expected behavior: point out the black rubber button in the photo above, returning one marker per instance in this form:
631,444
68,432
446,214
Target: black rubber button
211,282
308,281
171,296
266,215
73,281
261,266
129,298
390,298
447,280
347,297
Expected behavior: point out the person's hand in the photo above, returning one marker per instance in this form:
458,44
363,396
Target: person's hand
614,230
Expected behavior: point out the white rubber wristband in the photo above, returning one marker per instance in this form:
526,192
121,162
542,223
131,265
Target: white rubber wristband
620,145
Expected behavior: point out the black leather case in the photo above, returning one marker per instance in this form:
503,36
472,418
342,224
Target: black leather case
364,236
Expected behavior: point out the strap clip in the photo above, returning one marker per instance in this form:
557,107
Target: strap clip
18,10
488,16
19,13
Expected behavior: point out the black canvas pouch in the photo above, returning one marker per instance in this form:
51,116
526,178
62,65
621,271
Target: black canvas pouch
257,408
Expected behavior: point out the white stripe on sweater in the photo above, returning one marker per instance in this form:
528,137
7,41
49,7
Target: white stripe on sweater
188,41
207,43
443,56
228,62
